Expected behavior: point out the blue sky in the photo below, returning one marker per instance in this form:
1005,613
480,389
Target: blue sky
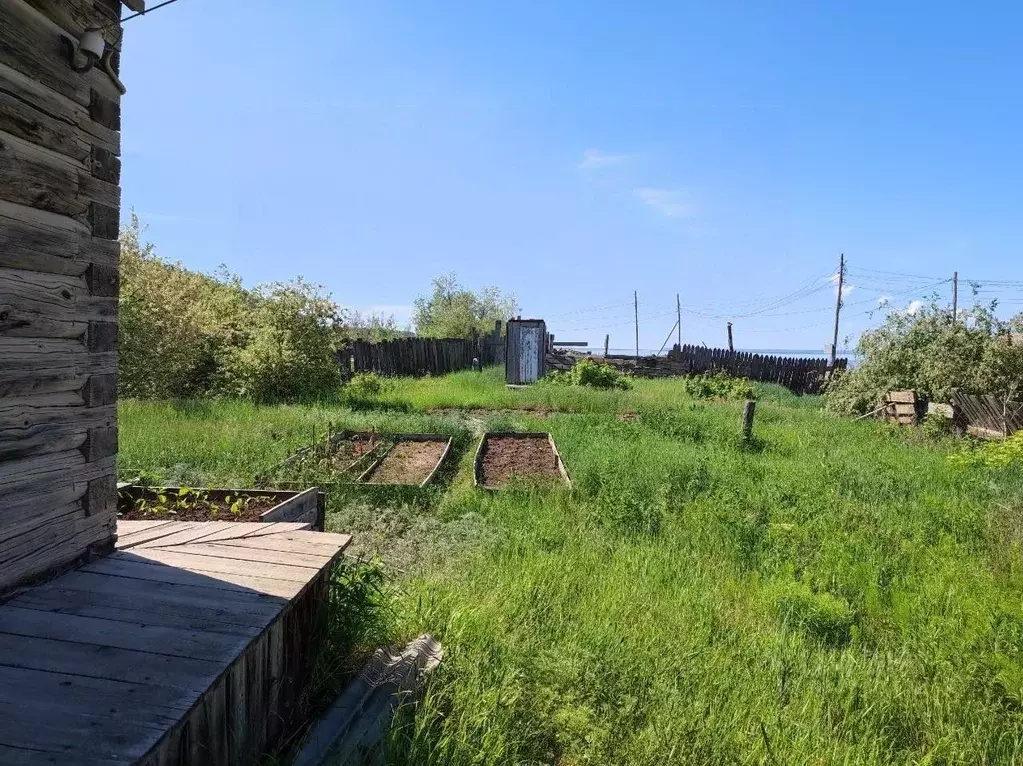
573,152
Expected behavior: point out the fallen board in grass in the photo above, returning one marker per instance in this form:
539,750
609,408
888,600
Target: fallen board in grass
505,456
141,503
412,460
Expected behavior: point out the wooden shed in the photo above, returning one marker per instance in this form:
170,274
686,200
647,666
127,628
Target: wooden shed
525,351
156,642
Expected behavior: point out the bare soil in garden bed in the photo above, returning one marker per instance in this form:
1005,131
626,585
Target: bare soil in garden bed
409,462
510,457
199,509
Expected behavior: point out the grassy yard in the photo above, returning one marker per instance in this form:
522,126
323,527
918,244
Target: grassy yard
833,593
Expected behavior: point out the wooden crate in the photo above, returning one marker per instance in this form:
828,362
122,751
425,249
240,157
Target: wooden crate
365,476
903,407
478,479
307,506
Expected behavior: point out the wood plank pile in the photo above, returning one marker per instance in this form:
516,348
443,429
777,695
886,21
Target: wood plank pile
987,416
903,408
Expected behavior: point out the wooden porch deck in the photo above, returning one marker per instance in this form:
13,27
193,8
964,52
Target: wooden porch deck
188,644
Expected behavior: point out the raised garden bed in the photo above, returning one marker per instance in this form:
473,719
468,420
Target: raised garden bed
504,456
346,452
140,503
412,460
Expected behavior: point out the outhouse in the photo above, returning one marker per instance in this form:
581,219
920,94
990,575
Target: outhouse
525,351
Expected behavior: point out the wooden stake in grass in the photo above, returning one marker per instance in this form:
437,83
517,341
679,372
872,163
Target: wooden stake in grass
747,420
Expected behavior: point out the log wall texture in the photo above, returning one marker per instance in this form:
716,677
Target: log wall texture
59,216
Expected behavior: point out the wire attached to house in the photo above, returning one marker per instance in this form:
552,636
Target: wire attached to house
140,13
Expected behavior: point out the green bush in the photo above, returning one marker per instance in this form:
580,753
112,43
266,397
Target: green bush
929,353
587,372
184,334
719,385
823,616
992,454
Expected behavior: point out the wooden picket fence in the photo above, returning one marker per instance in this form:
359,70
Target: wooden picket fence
803,376
418,356
987,416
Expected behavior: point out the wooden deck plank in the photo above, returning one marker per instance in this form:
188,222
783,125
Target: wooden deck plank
69,731
23,756
304,560
292,542
237,529
128,665
171,601
104,664
121,609
155,533
157,639
178,534
128,528
78,713
152,571
209,564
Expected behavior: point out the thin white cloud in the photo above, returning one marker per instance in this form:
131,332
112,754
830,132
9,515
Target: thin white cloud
847,287
914,306
595,159
671,203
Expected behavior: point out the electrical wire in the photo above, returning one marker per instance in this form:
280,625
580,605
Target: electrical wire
140,13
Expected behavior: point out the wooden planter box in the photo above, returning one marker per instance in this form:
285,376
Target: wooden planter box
307,507
479,479
367,476
332,441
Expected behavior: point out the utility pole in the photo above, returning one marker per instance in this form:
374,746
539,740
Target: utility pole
678,308
607,342
838,308
955,296
635,309
730,346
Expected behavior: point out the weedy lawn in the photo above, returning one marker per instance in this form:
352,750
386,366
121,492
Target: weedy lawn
834,592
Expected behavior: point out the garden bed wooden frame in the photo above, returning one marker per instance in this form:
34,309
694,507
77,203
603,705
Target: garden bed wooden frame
397,439
477,470
308,506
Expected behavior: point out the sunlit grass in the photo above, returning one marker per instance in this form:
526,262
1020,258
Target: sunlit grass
834,592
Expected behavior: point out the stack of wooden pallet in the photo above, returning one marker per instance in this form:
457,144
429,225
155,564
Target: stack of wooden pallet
902,408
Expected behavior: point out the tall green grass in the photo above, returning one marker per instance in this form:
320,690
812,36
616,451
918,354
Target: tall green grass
834,592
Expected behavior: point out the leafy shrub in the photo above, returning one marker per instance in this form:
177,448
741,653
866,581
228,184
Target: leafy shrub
365,384
927,352
823,616
936,426
587,372
185,334
992,454
718,385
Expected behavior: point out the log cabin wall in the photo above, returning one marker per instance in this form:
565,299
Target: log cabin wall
59,216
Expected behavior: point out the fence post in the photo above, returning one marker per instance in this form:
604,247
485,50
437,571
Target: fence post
747,420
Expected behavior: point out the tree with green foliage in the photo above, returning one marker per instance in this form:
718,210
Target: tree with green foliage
930,353
187,334
454,311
